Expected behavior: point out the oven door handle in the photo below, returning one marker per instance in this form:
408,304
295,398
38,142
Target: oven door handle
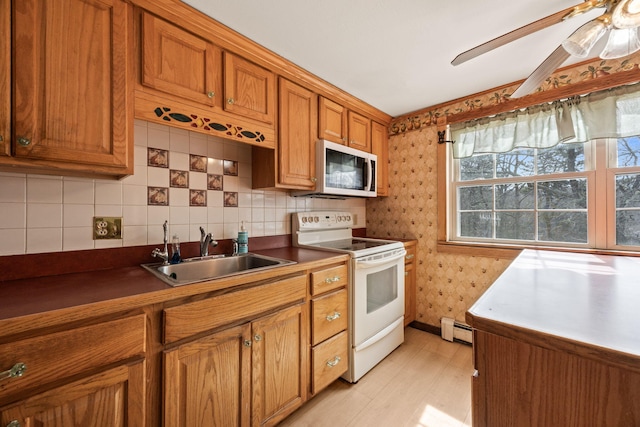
390,260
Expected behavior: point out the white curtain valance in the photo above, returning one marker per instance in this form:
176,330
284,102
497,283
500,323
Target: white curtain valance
611,113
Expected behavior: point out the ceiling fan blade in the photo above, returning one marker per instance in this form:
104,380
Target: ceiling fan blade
543,71
520,32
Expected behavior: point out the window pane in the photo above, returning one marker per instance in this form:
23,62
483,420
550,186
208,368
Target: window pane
515,225
476,167
476,224
515,163
569,194
628,228
628,191
629,152
515,196
561,158
475,198
562,227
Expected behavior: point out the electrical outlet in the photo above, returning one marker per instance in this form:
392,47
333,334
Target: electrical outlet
106,227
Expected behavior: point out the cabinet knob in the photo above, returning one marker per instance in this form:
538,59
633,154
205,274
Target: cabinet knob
230,101
410,256
16,370
332,279
258,338
314,179
331,317
14,423
1,138
24,141
247,343
211,94
334,362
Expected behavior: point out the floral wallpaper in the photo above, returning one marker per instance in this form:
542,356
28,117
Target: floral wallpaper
446,284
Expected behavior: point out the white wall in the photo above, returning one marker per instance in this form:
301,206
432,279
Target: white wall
42,213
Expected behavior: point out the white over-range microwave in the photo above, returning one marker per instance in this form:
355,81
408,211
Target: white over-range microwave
343,171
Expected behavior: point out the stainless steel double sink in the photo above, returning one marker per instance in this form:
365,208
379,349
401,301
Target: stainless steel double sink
201,269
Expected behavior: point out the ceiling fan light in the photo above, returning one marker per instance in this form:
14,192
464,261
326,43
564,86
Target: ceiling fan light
626,14
579,43
621,42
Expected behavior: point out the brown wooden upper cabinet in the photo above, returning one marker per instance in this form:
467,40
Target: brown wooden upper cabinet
72,98
338,124
380,147
359,131
249,89
179,63
332,121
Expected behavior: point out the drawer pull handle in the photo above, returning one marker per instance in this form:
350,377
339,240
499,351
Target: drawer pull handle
410,256
334,362
331,317
16,371
332,279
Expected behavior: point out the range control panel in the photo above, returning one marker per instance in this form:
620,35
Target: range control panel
322,220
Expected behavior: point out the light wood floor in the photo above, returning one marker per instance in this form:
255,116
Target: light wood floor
426,382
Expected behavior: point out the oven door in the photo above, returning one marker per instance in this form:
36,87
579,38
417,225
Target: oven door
378,293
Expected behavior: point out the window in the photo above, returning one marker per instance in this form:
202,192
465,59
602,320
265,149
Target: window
584,195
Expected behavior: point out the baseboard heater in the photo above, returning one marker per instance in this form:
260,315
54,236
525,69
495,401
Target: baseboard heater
452,330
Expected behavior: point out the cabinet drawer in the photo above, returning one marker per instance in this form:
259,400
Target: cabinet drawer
62,354
328,279
329,315
189,319
329,361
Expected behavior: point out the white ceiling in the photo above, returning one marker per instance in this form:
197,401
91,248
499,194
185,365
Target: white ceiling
396,54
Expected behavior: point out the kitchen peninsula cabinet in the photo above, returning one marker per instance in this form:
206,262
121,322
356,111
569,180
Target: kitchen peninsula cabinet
555,343
292,164
90,375
72,99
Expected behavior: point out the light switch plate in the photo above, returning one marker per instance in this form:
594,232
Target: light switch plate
107,227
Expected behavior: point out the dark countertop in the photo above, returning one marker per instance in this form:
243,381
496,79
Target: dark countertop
32,302
588,301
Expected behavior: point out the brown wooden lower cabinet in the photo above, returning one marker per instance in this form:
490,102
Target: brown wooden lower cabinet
521,384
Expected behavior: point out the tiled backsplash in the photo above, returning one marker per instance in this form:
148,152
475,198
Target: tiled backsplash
52,213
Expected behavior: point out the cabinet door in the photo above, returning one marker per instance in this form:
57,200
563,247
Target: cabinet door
359,132
113,398
280,365
380,147
207,381
178,63
72,91
249,89
296,151
5,77
332,122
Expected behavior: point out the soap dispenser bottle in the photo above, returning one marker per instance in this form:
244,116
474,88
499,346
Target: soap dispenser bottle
175,250
243,240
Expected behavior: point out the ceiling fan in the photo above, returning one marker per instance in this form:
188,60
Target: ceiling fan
620,20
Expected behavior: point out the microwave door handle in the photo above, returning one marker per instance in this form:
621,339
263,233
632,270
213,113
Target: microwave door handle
369,174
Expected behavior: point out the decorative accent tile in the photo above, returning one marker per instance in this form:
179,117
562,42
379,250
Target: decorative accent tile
230,167
158,196
230,199
178,179
197,198
197,163
214,182
157,157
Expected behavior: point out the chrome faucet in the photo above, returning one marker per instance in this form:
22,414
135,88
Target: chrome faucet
164,254
206,239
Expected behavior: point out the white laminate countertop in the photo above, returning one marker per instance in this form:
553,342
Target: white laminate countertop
589,299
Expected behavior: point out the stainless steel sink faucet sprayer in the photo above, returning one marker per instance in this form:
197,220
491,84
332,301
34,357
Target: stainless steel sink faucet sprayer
206,239
164,254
